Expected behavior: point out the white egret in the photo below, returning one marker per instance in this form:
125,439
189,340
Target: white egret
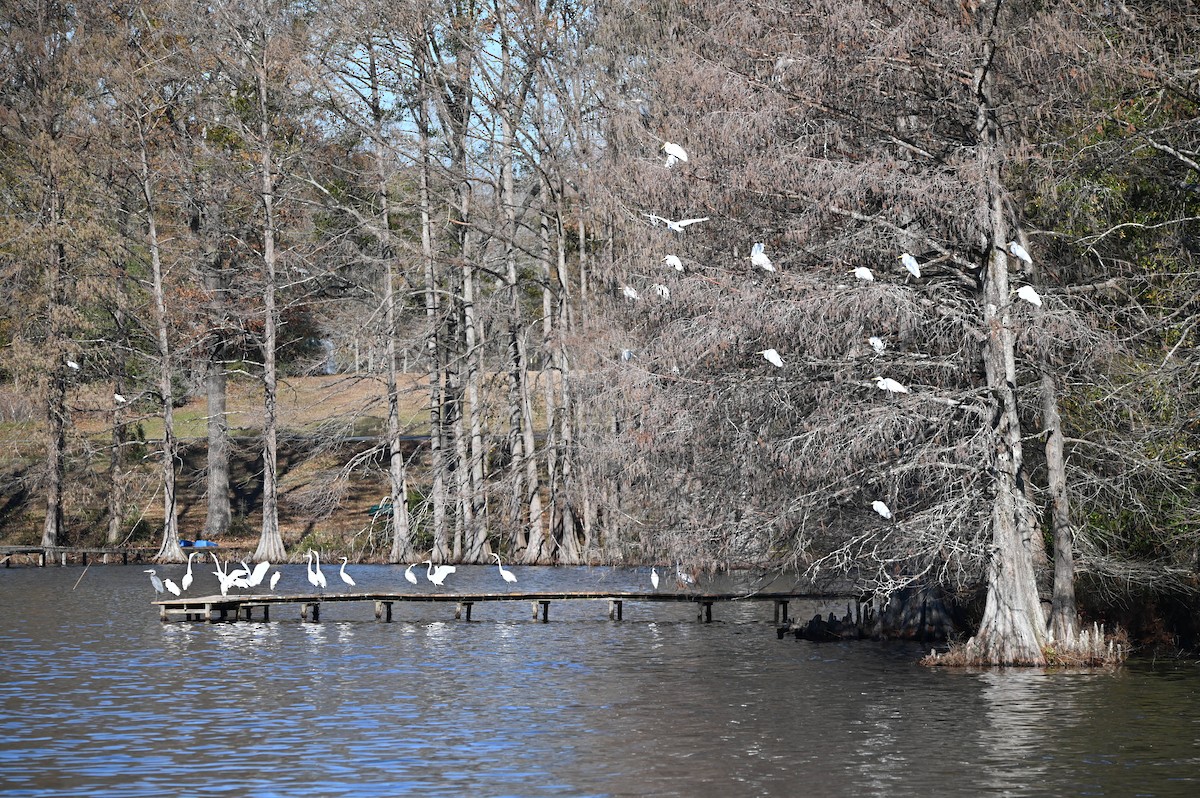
662,290
772,357
630,293
877,344
1027,293
676,226
863,273
508,576
889,385
186,582
345,576
72,365
409,575
219,573
675,153
654,577
317,570
154,580
275,580
758,257
258,574
911,264
171,586
312,576
1019,252
674,262
119,399
682,576
438,576
881,508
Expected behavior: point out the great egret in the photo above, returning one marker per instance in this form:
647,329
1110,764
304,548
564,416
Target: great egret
758,257
674,262
662,290
186,582
675,153
877,344
274,580
438,577
772,357
409,575
911,264
654,577
317,570
881,508
863,273
258,574
154,580
889,385
1019,252
345,576
72,365
119,399
676,226
219,573
508,576
630,293
312,575
1027,293
171,586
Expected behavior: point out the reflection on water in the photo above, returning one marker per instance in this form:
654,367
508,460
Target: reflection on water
98,697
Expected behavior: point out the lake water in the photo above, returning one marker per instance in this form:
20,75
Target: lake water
98,697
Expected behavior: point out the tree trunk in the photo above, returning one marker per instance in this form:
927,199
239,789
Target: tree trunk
1064,618
56,390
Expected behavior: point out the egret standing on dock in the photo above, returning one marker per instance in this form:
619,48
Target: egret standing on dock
345,576
409,576
654,577
509,576
438,576
186,582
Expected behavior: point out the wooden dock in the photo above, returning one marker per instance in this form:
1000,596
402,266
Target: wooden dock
83,555
243,606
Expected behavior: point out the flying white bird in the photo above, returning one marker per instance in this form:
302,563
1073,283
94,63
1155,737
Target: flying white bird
119,399
71,364
889,385
772,357
881,508
863,273
630,293
1027,293
662,290
877,344
674,262
911,264
675,153
676,226
438,576
1019,251
759,258
258,574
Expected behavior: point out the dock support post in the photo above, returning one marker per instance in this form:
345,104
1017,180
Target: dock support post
162,613
705,614
316,611
781,611
124,557
463,608
210,613
545,611
383,608
84,556
615,609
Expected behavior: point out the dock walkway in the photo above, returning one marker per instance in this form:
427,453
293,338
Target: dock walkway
242,606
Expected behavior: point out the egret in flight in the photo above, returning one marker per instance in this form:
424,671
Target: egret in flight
772,357
877,344
758,257
889,385
675,153
674,262
1019,252
345,576
154,580
1027,293
508,576
258,574
438,575
911,264
863,273
676,226
881,508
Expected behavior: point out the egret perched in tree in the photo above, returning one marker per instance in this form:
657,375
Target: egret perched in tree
674,262
863,273
911,264
877,344
72,365
1027,293
409,575
1019,252
758,257
662,290
676,226
654,577
772,357
889,385
630,293
274,580
881,508
438,575
119,399
508,576
171,586
345,576
154,580
186,582
675,153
